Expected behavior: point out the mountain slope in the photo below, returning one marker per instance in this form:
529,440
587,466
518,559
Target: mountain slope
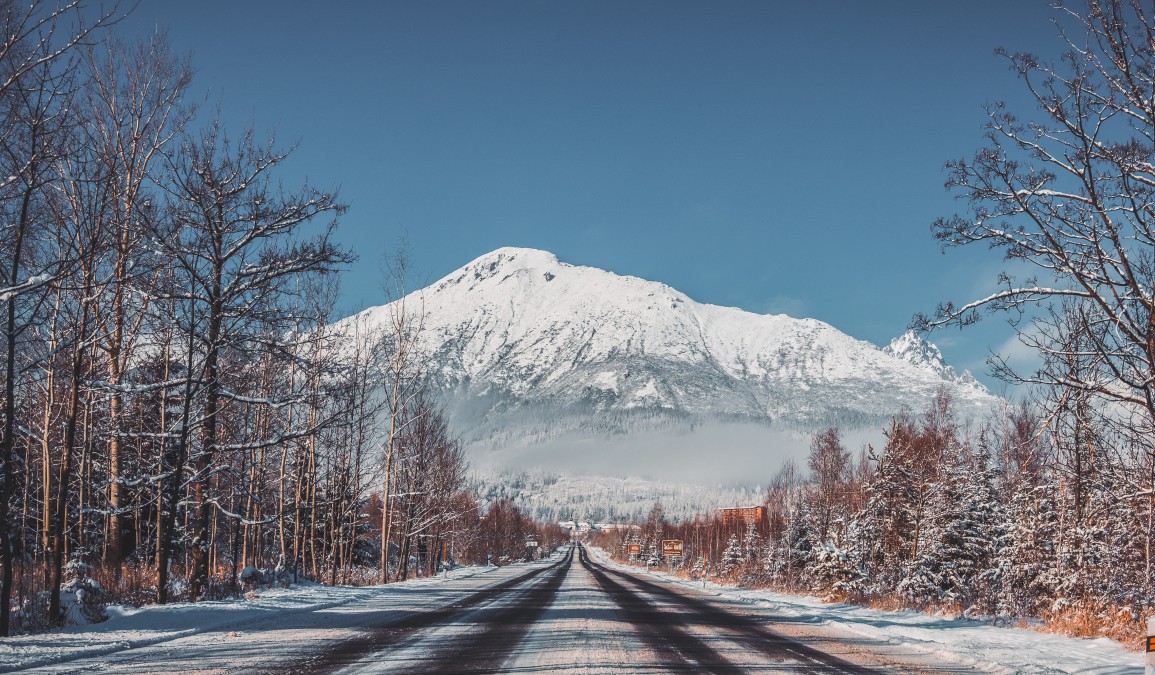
527,348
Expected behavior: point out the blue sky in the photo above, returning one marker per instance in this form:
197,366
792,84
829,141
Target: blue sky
775,156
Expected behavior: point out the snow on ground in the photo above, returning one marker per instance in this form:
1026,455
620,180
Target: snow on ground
974,643
583,631
132,628
283,623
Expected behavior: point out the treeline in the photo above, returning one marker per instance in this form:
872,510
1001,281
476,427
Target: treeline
505,534
548,497
1039,514
177,412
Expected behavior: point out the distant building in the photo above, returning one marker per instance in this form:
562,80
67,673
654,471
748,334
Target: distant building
741,514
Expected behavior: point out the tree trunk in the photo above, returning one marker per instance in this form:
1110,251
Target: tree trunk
60,517
204,461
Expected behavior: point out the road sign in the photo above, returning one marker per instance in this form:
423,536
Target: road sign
672,548
1149,661
531,544
634,549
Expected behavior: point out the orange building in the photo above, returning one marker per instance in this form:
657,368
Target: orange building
742,514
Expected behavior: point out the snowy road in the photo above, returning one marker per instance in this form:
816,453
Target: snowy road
578,617
571,614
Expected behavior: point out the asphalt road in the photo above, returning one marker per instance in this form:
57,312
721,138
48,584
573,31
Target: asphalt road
572,614
579,616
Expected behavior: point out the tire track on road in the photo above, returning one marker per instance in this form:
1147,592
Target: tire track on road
683,652
405,630
748,630
487,650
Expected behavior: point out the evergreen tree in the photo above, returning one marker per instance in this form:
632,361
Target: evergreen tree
835,575
732,557
752,546
1027,561
960,537
699,569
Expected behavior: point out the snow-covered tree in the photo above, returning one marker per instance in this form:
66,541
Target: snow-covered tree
1027,561
733,557
239,248
961,537
1064,190
835,575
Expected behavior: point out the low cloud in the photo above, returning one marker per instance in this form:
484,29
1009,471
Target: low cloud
732,454
1020,357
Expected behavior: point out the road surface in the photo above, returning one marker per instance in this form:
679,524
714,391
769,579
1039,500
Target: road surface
571,614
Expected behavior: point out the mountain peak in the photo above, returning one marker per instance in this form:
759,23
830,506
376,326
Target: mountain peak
527,346
513,257
918,351
915,349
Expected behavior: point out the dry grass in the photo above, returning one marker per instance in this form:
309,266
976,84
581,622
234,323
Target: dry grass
886,603
1090,619
135,585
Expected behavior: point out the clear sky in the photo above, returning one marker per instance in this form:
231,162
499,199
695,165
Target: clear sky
775,156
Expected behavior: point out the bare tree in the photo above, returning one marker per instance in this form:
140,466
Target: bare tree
431,467
36,39
401,371
35,123
238,250
1070,195
79,209
829,472
134,109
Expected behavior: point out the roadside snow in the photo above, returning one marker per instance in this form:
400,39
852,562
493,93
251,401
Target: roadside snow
248,633
974,643
132,628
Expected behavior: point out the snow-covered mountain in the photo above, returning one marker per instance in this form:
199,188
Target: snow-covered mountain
914,349
528,350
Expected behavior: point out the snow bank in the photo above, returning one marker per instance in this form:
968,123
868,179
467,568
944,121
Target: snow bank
964,641
131,627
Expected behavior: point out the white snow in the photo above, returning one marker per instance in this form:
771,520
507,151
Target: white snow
941,639
282,626
185,631
518,329
917,351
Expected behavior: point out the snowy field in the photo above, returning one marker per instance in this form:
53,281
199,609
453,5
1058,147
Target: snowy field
287,625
